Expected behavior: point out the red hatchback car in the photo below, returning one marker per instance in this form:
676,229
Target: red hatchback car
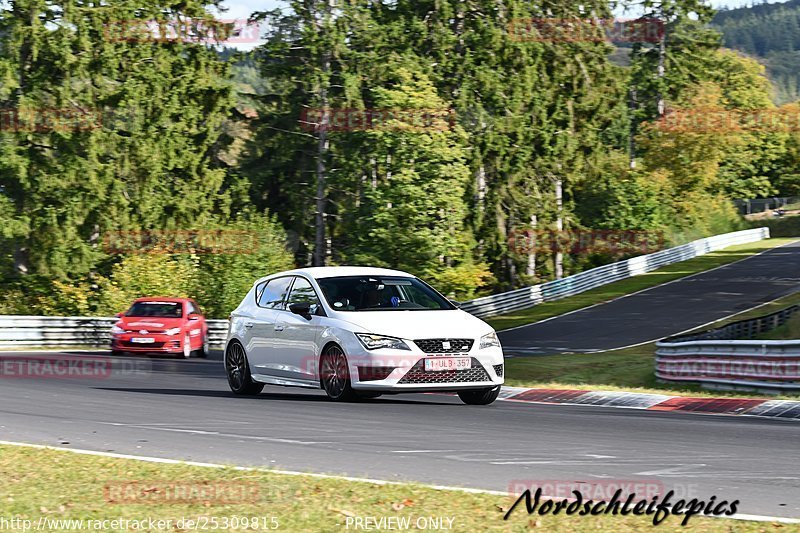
161,325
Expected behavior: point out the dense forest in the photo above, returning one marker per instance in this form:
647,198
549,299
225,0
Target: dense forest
417,134
770,33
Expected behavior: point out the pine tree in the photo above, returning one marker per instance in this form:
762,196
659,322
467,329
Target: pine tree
141,127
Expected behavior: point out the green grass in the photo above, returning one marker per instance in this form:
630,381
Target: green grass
628,369
62,485
634,284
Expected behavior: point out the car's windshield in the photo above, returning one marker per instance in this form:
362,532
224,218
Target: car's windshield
381,293
156,309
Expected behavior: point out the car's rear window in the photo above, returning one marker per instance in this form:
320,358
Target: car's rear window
156,309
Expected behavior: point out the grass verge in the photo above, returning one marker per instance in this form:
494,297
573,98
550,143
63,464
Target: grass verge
634,284
65,486
628,369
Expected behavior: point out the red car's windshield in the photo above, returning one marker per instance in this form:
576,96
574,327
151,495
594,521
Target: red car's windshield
156,309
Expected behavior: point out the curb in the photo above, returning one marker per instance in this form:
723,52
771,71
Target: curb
785,409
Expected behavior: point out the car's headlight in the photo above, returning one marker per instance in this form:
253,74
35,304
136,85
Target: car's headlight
173,331
373,342
490,341
116,330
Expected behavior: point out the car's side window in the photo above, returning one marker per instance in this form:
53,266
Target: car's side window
274,293
260,290
303,292
193,309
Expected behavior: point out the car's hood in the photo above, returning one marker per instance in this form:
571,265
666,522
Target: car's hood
418,324
148,323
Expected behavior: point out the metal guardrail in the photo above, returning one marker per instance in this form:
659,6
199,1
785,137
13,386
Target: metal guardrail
39,331
743,329
27,331
759,205
716,359
553,290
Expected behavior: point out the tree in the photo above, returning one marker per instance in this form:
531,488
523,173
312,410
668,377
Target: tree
259,248
303,60
661,71
412,215
124,131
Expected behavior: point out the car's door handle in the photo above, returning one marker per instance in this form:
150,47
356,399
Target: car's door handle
248,325
280,328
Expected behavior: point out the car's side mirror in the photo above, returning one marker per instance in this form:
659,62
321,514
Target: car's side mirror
119,315
193,317
457,304
301,308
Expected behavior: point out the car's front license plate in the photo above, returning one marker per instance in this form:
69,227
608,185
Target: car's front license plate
441,364
141,340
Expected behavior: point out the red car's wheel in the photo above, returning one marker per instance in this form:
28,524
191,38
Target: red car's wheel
187,346
202,351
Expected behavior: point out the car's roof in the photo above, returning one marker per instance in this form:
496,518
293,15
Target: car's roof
156,299
339,271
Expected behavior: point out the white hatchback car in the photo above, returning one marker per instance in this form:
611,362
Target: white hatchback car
359,332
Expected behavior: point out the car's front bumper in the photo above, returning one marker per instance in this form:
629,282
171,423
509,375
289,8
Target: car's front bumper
171,344
399,371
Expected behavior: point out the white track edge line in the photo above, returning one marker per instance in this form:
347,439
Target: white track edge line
148,459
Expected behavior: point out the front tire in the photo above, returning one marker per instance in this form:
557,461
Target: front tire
187,348
238,371
479,397
335,375
202,351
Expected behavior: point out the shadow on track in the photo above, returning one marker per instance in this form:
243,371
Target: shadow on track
289,396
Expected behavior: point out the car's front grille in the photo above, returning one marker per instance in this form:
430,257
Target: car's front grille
436,346
417,374
129,344
498,369
374,373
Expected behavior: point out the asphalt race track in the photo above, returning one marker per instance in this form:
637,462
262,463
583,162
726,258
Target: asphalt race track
664,310
183,410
